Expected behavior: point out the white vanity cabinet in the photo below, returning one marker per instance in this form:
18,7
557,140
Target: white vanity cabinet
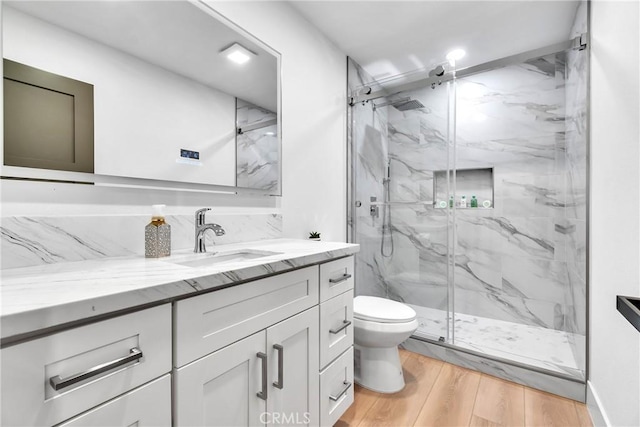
268,378
52,379
269,352
225,378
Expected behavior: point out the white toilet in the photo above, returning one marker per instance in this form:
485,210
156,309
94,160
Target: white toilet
379,326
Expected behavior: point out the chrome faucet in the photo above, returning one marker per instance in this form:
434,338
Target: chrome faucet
201,228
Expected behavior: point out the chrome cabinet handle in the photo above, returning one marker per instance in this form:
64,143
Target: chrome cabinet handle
58,383
345,323
347,384
341,279
280,383
263,394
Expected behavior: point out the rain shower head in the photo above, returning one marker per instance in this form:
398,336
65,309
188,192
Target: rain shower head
405,105
402,104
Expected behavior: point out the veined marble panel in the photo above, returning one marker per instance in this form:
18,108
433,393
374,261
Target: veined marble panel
29,241
258,150
43,296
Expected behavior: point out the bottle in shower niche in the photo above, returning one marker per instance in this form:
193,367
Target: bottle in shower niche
474,202
463,202
157,235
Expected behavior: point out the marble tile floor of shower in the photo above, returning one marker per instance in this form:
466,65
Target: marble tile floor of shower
543,348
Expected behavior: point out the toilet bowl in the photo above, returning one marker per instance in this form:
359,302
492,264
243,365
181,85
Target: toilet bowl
379,326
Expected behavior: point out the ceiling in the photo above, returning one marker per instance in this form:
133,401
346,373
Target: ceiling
388,38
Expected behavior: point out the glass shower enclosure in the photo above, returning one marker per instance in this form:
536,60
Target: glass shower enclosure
467,196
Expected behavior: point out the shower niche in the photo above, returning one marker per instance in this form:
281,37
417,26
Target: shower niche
468,183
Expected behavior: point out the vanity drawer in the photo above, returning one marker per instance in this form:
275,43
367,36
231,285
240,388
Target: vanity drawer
136,348
336,389
206,323
336,277
149,405
336,327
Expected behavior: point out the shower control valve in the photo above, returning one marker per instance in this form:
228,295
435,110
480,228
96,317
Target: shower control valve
374,211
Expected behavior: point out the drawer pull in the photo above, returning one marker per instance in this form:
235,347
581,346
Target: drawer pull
263,394
340,279
345,323
347,385
280,383
58,383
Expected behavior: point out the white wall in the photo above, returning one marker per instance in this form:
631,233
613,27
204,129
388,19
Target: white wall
614,348
313,136
313,116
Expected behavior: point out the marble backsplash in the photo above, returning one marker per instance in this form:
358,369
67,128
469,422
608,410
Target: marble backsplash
29,241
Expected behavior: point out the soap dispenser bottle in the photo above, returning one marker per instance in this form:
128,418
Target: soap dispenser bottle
474,202
463,202
157,235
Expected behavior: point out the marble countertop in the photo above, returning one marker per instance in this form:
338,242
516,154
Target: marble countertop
35,298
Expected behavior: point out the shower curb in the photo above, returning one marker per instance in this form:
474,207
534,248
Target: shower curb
574,389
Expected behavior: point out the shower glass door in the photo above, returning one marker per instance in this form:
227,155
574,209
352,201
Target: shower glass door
519,256
402,158
468,199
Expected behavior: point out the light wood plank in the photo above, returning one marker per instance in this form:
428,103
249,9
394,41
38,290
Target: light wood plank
363,400
477,421
493,402
544,409
583,414
451,401
500,402
402,408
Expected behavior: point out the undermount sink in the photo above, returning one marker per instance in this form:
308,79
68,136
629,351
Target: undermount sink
215,258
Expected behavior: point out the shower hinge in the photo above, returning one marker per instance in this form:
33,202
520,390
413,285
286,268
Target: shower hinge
580,42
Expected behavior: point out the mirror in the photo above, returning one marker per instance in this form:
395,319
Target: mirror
168,104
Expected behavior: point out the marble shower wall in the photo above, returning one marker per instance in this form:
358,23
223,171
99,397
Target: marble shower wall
29,241
520,261
258,150
510,260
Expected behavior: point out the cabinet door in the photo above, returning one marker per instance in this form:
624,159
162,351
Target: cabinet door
293,349
149,405
221,389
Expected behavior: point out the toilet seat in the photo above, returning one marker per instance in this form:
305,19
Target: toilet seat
381,310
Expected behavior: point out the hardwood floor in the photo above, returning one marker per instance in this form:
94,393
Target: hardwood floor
441,394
